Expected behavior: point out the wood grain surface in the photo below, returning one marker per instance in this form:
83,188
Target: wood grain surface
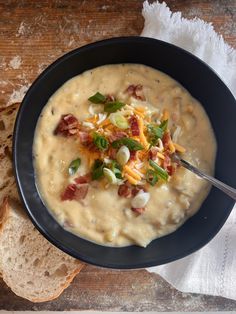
32,35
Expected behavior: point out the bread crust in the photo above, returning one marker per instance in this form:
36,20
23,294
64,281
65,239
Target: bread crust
7,181
59,292
4,212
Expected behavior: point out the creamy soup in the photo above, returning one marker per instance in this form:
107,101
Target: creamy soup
144,201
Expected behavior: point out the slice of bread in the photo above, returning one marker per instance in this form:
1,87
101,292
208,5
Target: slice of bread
31,266
7,180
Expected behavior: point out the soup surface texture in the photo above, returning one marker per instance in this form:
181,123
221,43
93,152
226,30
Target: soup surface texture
102,209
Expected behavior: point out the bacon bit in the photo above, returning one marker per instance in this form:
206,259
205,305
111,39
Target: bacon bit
168,166
69,193
171,170
72,131
137,189
134,126
85,138
112,152
110,98
92,147
166,139
71,120
67,126
83,179
166,162
153,152
136,91
81,191
138,211
125,190
132,155
117,136
75,192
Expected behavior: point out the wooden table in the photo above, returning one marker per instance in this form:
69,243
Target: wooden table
32,35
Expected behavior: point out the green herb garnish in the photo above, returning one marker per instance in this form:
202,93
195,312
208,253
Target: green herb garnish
116,169
97,170
164,125
155,132
162,173
151,177
129,142
74,165
97,98
100,141
113,106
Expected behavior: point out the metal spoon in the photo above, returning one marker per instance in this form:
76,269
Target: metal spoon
220,185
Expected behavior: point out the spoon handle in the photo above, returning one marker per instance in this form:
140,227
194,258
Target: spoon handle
220,185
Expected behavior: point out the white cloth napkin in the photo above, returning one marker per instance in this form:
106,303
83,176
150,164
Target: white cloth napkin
211,270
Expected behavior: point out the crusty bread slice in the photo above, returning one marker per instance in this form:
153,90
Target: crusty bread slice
31,266
7,180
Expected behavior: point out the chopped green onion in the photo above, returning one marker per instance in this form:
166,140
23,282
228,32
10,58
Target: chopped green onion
155,132
164,125
116,169
119,120
100,141
97,170
113,106
110,176
129,142
74,165
151,177
97,98
162,173
123,155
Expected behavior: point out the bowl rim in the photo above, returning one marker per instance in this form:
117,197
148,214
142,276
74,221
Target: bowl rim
44,231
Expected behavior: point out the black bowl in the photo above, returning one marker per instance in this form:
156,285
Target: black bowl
200,81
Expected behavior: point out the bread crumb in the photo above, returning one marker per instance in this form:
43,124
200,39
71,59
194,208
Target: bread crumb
15,62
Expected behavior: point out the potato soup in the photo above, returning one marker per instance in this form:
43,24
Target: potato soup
103,151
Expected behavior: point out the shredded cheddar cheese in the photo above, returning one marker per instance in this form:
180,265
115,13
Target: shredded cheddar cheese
165,115
92,119
130,179
143,170
160,155
171,147
104,123
142,137
140,114
142,155
139,161
179,148
141,109
131,173
110,127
